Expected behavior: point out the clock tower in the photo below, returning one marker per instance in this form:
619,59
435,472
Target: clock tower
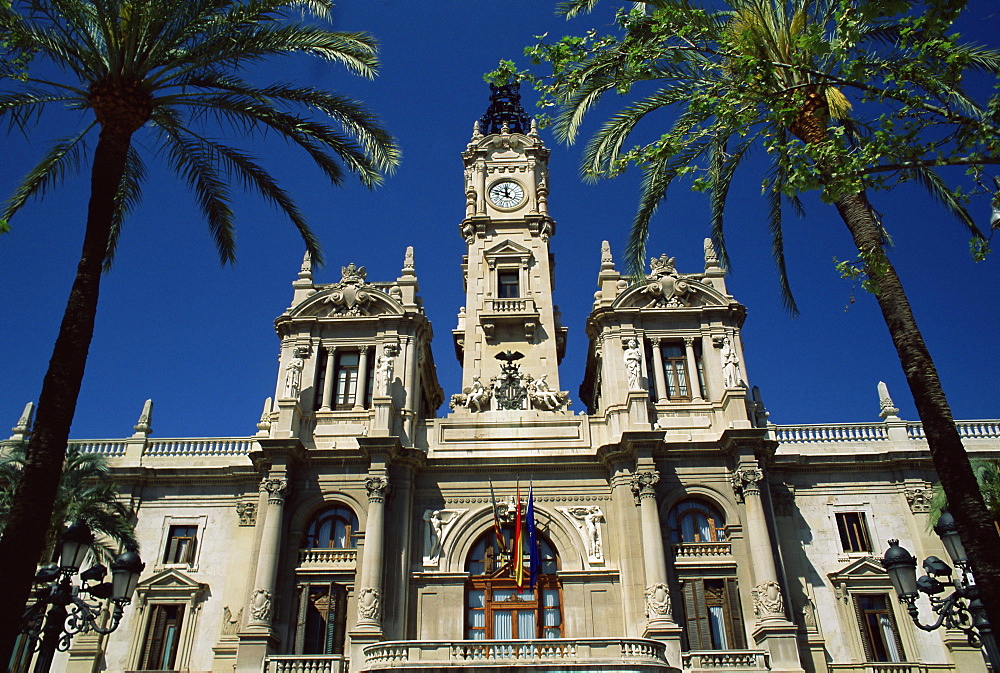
509,332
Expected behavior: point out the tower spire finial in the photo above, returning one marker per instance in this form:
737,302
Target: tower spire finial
505,109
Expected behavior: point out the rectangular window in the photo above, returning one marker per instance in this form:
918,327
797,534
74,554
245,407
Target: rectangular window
181,542
346,380
853,532
675,372
508,281
878,628
321,357
163,631
712,614
323,621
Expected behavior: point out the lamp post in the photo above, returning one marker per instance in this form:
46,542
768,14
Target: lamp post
961,609
69,612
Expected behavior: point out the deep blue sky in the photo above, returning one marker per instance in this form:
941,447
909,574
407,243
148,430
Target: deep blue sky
199,339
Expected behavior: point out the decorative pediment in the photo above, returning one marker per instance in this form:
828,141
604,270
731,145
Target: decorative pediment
348,301
864,573
171,584
508,248
670,292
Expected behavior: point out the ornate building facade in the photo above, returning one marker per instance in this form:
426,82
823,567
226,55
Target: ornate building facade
676,529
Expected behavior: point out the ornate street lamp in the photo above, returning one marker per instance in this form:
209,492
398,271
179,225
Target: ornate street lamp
70,612
961,609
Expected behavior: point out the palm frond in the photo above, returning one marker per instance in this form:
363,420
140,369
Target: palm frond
127,198
931,181
64,157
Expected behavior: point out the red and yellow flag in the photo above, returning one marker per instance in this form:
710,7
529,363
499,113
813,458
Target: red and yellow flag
517,553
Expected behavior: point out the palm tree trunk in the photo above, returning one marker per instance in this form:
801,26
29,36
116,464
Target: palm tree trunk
23,540
965,501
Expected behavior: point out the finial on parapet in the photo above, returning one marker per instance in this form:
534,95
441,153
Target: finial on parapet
887,409
23,427
408,267
264,424
144,425
607,262
476,133
306,270
711,256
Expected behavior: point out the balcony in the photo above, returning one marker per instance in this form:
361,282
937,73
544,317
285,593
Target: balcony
732,661
520,311
305,663
703,551
327,559
605,654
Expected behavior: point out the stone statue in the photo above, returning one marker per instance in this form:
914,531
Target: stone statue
384,369
437,533
231,622
730,365
479,396
633,364
439,522
293,378
542,396
588,521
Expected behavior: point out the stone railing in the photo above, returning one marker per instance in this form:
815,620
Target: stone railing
605,652
212,446
889,668
305,663
966,429
702,549
840,432
326,558
510,306
105,447
734,661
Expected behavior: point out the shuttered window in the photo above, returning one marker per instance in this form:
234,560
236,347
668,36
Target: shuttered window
163,633
713,618
181,542
853,531
879,632
322,618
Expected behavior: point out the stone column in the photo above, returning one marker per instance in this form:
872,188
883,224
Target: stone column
692,366
767,599
261,600
410,386
661,380
362,386
657,592
331,358
369,591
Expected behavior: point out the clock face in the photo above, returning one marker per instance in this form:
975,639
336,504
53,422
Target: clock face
506,194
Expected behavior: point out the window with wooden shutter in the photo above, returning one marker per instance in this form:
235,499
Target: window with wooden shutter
696,625
181,541
879,632
163,634
323,621
713,617
853,531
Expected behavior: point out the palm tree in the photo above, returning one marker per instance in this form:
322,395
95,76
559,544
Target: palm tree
168,71
777,74
86,492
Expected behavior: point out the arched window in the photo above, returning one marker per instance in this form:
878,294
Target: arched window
333,528
495,608
695,521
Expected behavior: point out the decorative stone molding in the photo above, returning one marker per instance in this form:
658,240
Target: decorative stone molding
644,484
260,605
746,482
918,497
657,601
247,511
783,500
439,523
587,521
276,489
348,298
767,599
376,487
369,605
231,622
665,286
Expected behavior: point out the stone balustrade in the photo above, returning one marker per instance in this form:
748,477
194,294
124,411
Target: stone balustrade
688,550
839,432
604,652
872,667
966,429
510,306
319,559
305,663
105,447
734,661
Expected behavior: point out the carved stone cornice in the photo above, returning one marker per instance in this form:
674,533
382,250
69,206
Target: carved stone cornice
746,482
377,486
644,484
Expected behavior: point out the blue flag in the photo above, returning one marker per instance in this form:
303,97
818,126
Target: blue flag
534,553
